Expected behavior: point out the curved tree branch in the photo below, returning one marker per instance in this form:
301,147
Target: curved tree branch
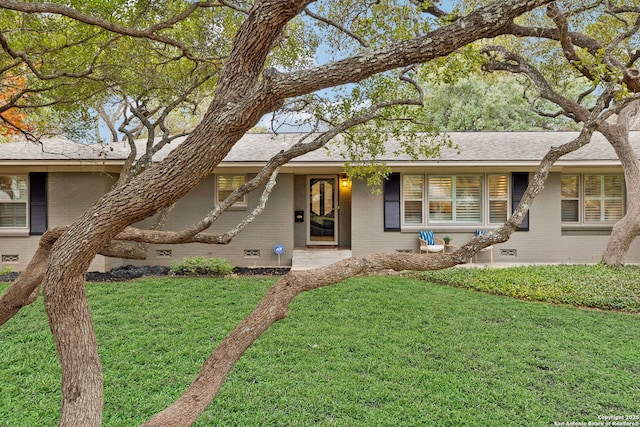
150,32
622,7
591,45
337,26
501,59
490,21
554,12
430,8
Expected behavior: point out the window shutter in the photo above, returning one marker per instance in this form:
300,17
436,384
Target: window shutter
391,189
520,183
37,203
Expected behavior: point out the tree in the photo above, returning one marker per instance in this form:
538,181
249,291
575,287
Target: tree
70,71
484,102
591,52
12,119
248,86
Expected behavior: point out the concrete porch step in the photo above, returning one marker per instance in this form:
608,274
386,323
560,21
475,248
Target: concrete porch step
304,259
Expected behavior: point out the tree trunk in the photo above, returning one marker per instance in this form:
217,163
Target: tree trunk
628,227
623,234
63,285
72,327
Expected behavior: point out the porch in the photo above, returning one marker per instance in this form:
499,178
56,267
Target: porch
305,259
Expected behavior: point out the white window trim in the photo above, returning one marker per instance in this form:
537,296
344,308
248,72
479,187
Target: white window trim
454,222
487,207
424,200
603,197
24,230
582,200
484,200
579,198
240,204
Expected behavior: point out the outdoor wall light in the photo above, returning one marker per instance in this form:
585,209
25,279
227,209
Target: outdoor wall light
344,181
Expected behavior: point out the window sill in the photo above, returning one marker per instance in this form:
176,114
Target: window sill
586,230
237,208
595,227
14,233
462,228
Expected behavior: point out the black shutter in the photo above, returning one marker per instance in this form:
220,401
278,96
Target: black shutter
391,189
37,203
520,182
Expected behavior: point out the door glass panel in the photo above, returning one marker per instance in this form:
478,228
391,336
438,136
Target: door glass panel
322,208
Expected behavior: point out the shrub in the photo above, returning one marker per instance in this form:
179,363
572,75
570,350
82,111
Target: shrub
194,266
6,270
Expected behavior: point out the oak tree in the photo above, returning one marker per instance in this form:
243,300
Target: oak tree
591,48
257,68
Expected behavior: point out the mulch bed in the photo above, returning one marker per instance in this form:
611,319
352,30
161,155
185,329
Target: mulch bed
130,272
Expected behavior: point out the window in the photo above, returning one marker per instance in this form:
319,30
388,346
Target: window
455,198
13,201
226,184
601,198
412,192
498,198
570,198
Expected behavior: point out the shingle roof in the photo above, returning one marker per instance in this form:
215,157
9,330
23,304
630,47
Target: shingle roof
255,147
50,149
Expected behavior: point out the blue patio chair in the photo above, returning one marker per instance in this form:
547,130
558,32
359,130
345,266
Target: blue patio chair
430,243
487,249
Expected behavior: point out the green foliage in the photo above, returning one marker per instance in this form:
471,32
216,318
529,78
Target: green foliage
6,270
191,266
386,351
78,67
594,286
580,68
483,103
375,24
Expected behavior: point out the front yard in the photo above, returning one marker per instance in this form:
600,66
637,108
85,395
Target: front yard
369,351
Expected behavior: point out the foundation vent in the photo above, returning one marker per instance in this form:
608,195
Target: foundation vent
10,258
404,251
252,253
508,252
164,253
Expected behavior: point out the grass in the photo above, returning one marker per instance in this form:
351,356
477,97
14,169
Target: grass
379,351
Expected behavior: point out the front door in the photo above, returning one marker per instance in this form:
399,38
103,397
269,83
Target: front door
322,228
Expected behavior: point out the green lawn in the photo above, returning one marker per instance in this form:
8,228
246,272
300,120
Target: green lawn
371,351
